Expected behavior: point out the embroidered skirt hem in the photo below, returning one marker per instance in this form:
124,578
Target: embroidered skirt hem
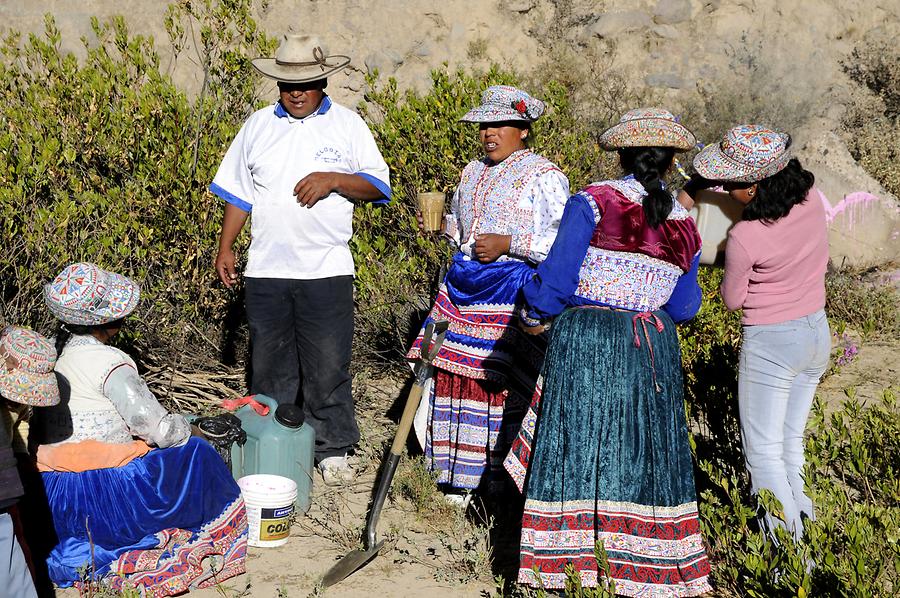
165,523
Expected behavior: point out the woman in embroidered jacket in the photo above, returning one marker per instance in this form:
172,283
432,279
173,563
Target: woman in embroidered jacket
603,452
164,520
504,217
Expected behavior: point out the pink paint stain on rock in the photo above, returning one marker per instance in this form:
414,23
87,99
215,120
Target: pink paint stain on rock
853,206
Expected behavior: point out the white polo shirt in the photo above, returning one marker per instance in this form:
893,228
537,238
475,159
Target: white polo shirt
270,154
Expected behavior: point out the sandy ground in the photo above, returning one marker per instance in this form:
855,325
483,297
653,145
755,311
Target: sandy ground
876,368
405,567
429,556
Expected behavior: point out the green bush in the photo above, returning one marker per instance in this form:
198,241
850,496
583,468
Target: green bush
105,160
872,120
853,546
868,306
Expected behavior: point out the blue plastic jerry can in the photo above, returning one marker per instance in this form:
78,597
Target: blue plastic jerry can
278,443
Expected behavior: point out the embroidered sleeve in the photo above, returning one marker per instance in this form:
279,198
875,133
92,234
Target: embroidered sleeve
554,283
143,414
549,194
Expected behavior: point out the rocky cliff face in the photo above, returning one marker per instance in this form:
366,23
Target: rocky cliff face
783,57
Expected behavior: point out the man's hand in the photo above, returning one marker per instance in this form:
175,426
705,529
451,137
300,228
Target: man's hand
489,247
315,186
225,267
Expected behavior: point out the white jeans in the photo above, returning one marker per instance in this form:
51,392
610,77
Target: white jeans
15,578
780,367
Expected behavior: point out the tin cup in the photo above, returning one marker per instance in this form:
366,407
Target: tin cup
431,206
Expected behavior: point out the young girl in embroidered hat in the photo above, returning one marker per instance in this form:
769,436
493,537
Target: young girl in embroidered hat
164,513
603,452
503,218
26,381
775,262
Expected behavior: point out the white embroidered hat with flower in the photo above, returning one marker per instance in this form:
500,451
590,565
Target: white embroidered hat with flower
501,103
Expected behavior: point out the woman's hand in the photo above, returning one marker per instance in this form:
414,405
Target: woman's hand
489,247
533,330
196,431
421,222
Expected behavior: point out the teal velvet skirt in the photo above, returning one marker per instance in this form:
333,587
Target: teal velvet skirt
603,457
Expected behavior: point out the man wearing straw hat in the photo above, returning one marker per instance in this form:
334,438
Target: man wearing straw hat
297,167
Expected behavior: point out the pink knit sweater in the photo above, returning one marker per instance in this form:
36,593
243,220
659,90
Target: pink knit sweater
776,272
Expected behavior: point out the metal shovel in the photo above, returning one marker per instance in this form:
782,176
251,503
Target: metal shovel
355,560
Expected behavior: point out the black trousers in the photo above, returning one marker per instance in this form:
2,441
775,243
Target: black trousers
301,335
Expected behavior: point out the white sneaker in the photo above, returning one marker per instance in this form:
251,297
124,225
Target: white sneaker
460,500
336,470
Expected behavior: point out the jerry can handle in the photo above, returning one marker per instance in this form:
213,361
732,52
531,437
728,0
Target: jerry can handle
261,404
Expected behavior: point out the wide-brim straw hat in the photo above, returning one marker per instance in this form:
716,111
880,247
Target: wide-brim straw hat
501,103
648,127
747,154
26,368
87,295
300,58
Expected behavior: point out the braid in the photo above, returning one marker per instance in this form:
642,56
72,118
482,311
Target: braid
65,332
648,165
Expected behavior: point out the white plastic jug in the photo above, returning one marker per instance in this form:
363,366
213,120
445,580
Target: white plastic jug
715,214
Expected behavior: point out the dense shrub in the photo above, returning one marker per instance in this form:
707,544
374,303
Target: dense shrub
851,549
872,120
105,160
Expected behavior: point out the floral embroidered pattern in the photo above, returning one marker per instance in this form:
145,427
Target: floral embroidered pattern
493,196
627,280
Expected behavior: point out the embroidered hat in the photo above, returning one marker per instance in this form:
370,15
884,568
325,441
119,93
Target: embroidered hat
503,102
26,367
747,154
300,58
648,127
88,295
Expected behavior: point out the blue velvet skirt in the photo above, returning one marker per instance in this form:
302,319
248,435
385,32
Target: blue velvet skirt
603,456
166,522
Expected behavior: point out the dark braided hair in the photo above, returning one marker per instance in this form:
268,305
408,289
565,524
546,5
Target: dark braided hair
649,165
66,331
777,194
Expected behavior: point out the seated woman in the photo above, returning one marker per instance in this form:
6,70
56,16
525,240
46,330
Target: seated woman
26,381
603,454
135,499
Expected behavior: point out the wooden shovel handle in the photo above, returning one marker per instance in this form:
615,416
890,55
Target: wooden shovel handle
406,420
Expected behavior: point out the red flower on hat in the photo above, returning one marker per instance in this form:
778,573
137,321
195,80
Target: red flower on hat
520,106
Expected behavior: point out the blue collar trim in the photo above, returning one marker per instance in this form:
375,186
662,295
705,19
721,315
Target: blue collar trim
323,108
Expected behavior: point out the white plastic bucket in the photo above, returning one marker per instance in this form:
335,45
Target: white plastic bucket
715,214
270,507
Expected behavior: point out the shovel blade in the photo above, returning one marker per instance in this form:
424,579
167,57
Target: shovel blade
349,564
